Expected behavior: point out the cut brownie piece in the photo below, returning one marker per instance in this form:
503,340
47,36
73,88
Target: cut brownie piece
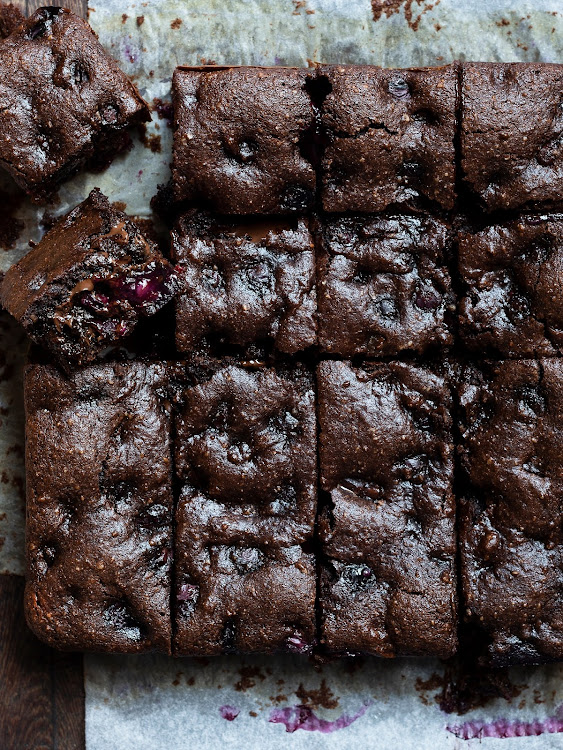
512,133
511,521
384,286
99,507
87,283
245,283
237,139
63,101
246,461
512,300
387,581
390,137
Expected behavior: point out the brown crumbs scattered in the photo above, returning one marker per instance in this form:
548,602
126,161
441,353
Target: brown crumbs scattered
119,205
124,18
176,23
140,20
247,678
253,713
150,140
322,697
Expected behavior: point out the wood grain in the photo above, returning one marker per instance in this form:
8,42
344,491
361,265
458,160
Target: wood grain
80,7
41,690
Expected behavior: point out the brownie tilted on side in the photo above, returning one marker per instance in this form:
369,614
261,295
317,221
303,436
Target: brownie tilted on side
512,517
390,138
85,286
246,463
237,139
245,283
63,101
384,286
388,578
99,507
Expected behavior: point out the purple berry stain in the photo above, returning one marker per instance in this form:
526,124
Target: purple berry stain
229,713
505,728
303,717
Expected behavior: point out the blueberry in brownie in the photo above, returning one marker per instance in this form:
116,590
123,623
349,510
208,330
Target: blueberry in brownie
63,101
246,464
390,137
85,286
237,139
245,283
511,517
384,285
387,580
99,507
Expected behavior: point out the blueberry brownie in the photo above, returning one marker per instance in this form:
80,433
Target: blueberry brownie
511,517
388,579
390,138
512,299
384,286
245,283
246,464
63,101
99,507
237,139
85,286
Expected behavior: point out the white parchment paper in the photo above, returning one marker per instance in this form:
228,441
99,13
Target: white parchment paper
156,703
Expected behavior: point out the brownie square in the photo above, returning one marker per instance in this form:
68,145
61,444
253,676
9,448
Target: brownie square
511,519
99,507
511,134
388,579
237,139
85,286
512,298
245,283
63,101
384,286
390,138
246,465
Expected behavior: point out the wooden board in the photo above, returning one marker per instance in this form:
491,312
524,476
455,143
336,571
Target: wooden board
80,7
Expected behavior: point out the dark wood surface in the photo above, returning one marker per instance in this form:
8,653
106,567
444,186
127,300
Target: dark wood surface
80,7
41,690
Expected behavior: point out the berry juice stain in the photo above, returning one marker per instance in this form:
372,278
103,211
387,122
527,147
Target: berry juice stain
229,713
302,717
504,728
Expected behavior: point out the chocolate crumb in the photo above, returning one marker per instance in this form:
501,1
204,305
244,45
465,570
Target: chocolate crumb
176,23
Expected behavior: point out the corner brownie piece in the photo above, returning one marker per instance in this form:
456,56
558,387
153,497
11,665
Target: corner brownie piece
511,134
63,101
511,520
246,464
237,139
512,299
88,282
99,507
384,286
390,137
388,578
245,283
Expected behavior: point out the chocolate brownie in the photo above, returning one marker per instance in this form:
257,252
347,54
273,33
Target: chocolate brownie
512,134
63,101
88,282
237,136
390,138
512,298
10,18
246,464
388,579
245,283
511,520
384,286
99,507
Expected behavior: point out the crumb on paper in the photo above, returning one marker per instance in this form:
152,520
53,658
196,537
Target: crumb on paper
176,23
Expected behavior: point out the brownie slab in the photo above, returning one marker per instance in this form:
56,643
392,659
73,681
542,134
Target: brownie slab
246,465
390,138
512,299
63,101
245,283
85,286
237,135
384,286
511,519
99,507
512,134
387,580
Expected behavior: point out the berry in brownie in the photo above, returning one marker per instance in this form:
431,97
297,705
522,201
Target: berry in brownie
85,286
99,507
63,101
237,139
387,581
